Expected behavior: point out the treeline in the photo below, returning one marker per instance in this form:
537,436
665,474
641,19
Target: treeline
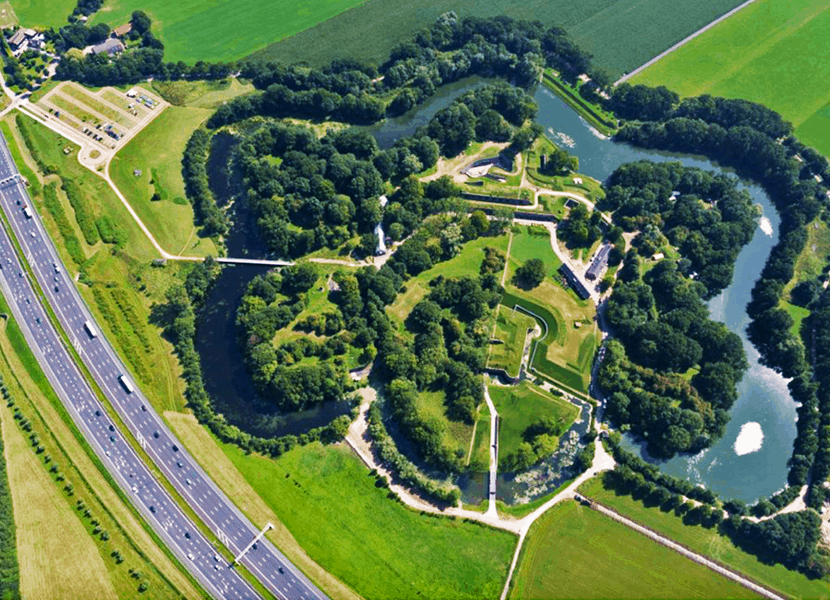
178,317
197,186
819,323
9,568
747,137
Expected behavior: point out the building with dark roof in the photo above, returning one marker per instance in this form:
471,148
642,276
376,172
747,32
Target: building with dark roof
574,282
111,46
599,263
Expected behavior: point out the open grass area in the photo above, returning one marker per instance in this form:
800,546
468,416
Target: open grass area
575,552
512,329
194,30
621,34
49,566
709,543
157,153
456,435
565,354
120,283
521,406
468,262
767,53
42,13
480,451
65,446
201,94
328,501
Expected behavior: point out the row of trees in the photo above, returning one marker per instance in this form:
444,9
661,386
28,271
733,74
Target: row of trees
9,568
197,186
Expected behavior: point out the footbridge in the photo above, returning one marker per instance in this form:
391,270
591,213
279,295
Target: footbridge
254,261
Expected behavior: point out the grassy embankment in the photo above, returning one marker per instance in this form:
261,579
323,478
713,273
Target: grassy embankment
575,552
157,153
512,329
602,120
565,353
194,30
521,406
51,568
201,94
809,265
709,543
590,188
333,508
767,53
621,35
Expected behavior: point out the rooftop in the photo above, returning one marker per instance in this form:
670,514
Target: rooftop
111,46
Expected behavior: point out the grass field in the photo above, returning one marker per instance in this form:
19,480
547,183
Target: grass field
521,406
43,13
511,328
201,94
767,53
709,543
121,283
621,34
48,565
575,552
62,442
328,501
157,152
194,30
565,354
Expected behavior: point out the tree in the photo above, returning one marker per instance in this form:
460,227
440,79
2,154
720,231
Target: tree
531,274
140,21
299,278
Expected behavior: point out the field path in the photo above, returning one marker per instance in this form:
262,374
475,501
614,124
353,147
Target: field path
682,42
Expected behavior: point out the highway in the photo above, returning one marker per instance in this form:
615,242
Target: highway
217,512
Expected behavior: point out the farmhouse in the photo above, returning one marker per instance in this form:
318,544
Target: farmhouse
599,263
111,46
122,31
574,282
24,39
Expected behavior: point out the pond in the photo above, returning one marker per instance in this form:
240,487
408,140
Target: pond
756,469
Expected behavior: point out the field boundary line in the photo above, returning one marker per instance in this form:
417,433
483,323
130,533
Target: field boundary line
682,42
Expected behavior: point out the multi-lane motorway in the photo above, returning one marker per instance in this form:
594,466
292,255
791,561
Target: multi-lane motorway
216,511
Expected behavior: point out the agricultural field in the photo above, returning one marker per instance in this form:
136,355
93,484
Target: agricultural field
575,552
521,406
766,53
194,30
118,281
566,351
331,505
709,543
42,13
156,155
512,328
621,34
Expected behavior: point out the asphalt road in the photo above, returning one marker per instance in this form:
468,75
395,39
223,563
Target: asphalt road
220,515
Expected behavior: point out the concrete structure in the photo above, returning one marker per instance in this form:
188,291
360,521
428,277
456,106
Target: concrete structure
111,46
574,282
381,249
599,263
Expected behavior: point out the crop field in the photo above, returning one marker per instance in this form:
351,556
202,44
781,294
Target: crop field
42,13
157,153
622,34
194,30
575,552
521,406
511,328
121,285
329,502
768,53
709,543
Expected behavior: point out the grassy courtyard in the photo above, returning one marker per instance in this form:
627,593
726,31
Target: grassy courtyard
512,329
575,552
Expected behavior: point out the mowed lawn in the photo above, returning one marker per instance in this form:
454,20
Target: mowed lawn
511,328
521,406
328,501
771,52
43,13
709,543
622,34
157,152
221,30
575,552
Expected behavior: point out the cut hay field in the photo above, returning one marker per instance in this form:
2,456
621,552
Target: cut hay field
42,13
221,30
330,503
575,552
771,52
622,34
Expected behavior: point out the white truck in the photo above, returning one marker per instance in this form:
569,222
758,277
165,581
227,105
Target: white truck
28,212
126,383
90,329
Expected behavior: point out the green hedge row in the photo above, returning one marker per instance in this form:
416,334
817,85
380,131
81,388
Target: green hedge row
83,212
70,240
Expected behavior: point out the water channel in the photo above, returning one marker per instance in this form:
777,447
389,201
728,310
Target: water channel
763,396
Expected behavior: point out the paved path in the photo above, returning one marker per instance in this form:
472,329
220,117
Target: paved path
494,455
747,583
683,42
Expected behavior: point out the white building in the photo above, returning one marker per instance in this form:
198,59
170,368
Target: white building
381,249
